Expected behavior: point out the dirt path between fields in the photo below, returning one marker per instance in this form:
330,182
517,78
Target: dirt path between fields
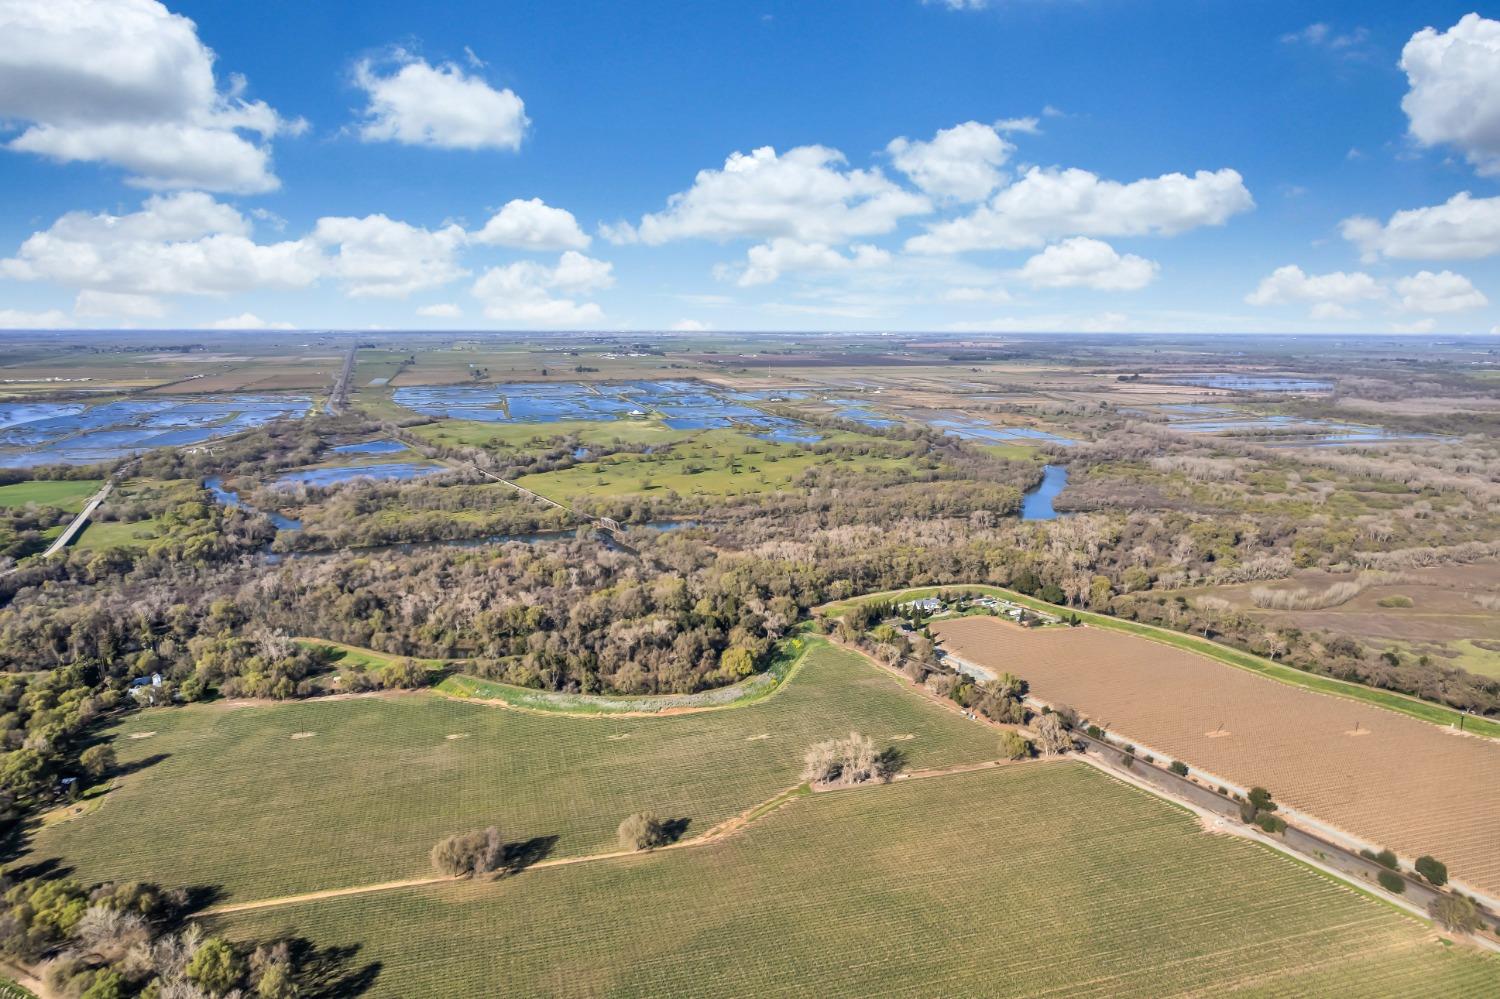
724,830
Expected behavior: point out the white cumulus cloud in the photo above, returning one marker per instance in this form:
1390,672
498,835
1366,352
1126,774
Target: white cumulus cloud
129,83
532,225
1051,203
245,321
20,319
807,193
768,261
1444,291
1462,228
523,292
380,257
1329,296
1454,99
961,163
444,106
185,243
442,310
1082,262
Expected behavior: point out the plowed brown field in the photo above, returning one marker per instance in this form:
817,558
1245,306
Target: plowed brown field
1377,775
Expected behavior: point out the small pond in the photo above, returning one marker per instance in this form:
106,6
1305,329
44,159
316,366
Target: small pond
334,475
370,447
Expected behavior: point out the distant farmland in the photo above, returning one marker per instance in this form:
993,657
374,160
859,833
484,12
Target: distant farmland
1375,774
1039,880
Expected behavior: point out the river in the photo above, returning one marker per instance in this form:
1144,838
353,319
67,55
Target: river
1036,504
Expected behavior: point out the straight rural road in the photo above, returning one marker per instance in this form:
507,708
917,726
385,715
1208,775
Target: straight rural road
71,531
338,398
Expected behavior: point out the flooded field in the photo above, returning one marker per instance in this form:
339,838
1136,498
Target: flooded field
853,409
1279,430
334,475
370,447
973,431
680,405
1253,383
80,434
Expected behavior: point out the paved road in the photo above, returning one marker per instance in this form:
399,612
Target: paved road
338,398
1330,856
71,531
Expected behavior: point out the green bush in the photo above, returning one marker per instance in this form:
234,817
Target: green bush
1014,746
1434,870
1179,768
1391,882
1270,823
1261,799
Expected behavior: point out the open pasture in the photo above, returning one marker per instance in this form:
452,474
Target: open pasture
1385,778
1439,612
378,780
65,494
474,433
987,883
715,462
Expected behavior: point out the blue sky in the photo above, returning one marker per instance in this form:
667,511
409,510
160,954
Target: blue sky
894,165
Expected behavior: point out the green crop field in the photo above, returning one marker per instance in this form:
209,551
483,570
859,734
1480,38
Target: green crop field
277,799
1041,879
67,495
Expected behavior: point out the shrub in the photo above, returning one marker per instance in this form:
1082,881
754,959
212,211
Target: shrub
98,760
469,853
1386,858
1261,799
1434,870
1014,746
1270,823
215,966
849,761
1455,913
1391,882
1179,768
1095,732
642,831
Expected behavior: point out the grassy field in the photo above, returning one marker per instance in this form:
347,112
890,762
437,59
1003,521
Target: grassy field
69,495
715,463
276,799
474,433
141,534
1039,880
1425,710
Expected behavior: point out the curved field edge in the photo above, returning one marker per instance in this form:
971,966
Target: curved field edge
1390,700
990,882
276,799
462,686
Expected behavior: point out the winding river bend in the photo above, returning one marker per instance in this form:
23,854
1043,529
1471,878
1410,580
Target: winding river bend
1036,504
